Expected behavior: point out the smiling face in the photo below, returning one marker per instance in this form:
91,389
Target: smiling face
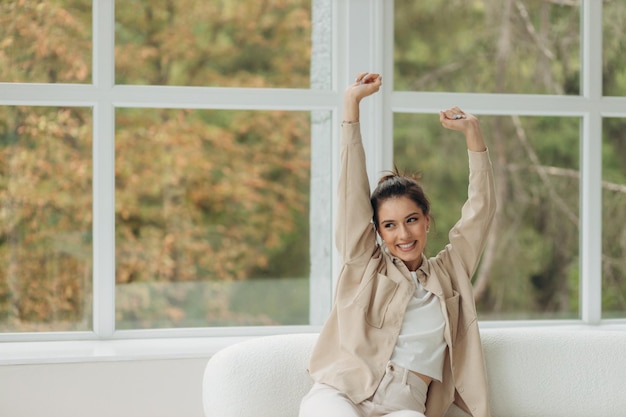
404,227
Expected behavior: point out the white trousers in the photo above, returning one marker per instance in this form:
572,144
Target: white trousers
399,394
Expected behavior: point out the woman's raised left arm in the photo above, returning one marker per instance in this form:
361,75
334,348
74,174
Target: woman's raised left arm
469,234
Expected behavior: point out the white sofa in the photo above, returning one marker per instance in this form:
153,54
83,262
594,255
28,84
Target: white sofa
533,372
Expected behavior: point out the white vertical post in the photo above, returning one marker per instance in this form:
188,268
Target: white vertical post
591,166
365,41
103,169
386,49
322,128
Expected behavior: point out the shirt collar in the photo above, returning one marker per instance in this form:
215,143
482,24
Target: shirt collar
424,267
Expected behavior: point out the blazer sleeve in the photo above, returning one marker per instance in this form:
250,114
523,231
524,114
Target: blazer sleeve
469,235
355,235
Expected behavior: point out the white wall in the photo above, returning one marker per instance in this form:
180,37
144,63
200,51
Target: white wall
143,388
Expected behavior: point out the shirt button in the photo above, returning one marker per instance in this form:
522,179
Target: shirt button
460,389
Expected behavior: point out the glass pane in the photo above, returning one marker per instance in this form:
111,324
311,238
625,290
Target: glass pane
614,218
213,43
613,41
45,41
212,218
487,46
530,266
45,231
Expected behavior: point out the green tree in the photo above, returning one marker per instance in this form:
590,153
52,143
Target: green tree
530,265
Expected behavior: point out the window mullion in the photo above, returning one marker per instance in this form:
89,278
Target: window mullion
591,166
386,50
591,220
364,38
103,170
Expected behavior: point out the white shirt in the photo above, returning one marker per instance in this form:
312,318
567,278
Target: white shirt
421,346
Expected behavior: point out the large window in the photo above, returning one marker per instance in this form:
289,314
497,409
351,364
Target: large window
168,167
157,165
535,77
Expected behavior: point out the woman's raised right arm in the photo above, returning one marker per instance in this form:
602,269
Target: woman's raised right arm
354,234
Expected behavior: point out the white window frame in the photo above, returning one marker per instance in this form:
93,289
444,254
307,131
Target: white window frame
362,40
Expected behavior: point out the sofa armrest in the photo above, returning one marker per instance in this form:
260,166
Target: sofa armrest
264,376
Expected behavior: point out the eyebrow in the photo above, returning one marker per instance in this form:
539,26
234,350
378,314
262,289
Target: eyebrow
415,213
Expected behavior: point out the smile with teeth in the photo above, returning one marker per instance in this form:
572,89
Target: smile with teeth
407,246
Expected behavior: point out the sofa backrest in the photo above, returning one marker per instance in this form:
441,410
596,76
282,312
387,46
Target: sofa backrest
562,372
533,372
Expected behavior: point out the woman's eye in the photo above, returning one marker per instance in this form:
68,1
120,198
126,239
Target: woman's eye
412,219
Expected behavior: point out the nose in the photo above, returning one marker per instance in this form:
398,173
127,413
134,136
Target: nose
404,231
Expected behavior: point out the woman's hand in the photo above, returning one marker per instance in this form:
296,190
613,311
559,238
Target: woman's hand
364,85
456,119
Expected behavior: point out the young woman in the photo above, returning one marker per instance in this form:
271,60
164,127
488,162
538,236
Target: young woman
402,338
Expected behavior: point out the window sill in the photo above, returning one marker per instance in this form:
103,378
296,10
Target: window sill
129,345
44,352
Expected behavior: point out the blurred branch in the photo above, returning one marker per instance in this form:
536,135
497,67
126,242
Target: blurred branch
540,40
530,28
564,172
560,203
438,73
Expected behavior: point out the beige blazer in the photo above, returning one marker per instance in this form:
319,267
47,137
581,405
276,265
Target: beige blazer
374,289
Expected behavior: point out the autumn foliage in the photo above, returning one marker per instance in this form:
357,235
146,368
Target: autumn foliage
200,196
